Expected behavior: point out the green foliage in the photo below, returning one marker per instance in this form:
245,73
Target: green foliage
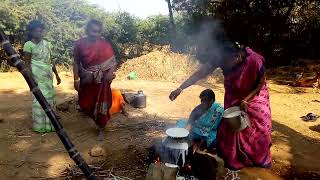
156,30
279,29
65,21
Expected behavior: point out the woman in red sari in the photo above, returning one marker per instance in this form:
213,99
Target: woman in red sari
245,86
94,67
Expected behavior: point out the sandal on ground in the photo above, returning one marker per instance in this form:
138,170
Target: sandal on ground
310,117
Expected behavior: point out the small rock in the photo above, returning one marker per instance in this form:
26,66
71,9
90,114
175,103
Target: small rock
97,151
1,120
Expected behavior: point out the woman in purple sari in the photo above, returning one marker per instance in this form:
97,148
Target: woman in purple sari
245,86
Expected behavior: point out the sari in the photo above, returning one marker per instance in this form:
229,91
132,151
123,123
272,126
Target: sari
204,124
250,147
117,102
41,66
95,96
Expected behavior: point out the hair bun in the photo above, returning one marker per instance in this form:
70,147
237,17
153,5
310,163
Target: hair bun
237,45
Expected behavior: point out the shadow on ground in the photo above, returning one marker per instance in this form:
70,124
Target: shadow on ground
315,128
28,155
301,153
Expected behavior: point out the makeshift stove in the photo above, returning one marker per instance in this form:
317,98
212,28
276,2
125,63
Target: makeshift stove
173,158
173,151
169,156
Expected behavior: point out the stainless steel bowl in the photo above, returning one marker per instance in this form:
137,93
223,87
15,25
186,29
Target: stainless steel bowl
237,119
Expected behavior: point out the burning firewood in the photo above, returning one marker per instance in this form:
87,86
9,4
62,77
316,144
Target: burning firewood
161,172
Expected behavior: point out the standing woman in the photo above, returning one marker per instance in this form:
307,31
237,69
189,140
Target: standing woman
245,86
94,67
37,55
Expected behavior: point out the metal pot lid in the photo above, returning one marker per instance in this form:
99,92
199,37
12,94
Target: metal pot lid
177,132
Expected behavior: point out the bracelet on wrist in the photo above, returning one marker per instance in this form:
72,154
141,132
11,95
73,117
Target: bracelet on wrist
244,101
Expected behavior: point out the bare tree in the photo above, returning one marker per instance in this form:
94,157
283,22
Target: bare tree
172,27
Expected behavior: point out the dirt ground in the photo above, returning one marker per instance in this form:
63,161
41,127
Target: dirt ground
28,155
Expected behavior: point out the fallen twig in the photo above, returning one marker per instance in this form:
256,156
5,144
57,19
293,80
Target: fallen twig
119,177
24,136
141,170
21,164
71,172
45,178
103,163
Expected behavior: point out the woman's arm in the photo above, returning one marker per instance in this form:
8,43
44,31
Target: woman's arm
124,109
192,119
27,58
261,82
76,66
257,89
110,75
54,69
201,73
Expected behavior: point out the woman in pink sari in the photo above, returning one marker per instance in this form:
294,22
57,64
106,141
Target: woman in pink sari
245,86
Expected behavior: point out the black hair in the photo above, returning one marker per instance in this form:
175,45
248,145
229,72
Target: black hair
93,22
34,24
208,94
231,49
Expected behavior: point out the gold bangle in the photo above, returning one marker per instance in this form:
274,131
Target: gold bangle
245,101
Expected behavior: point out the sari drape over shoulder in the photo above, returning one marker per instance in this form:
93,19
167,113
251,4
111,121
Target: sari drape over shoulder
96,59
250,147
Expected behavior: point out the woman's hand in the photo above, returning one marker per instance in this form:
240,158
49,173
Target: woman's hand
58,80
244,105
174,94
76,85
110,76
196,146
189,127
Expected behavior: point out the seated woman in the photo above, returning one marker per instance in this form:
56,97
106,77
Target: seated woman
118,103
204,120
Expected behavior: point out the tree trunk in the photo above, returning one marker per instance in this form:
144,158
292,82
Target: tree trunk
172,28
172,24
